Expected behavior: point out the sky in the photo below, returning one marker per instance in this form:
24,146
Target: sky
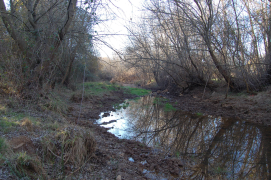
113,31
125,13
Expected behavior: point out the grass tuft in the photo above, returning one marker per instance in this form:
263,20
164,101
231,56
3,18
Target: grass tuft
27,124
26,167
56,104
72,145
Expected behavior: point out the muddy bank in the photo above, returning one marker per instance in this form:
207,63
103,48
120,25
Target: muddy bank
92,107
255,108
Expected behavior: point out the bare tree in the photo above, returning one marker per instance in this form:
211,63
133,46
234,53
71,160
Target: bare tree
193,42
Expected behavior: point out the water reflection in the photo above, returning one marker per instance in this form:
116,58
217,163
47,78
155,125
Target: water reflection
212,147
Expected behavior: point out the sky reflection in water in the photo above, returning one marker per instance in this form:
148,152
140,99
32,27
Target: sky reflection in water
212,147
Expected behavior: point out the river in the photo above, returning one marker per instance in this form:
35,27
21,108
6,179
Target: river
211,147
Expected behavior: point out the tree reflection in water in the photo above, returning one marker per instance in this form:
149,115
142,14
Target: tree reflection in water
213,148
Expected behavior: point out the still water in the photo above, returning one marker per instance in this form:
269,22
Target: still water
212,147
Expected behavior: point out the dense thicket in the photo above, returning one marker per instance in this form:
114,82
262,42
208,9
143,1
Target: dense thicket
187,43
44,42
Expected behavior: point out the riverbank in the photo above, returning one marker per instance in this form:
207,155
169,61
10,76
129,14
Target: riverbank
57,137
255,108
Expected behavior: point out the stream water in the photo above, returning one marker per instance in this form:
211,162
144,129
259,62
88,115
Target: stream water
221,148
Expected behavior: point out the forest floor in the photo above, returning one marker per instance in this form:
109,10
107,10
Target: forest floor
46,140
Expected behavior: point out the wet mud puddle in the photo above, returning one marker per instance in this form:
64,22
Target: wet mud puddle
211,147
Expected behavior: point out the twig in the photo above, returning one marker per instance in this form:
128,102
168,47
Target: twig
53,153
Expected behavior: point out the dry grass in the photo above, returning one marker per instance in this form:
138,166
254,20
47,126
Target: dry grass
72,145
56,102
21,164
25,166
27,124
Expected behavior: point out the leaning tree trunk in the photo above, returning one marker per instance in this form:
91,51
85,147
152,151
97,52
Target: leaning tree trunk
226,75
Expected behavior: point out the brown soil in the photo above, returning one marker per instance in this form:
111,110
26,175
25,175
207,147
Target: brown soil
255,108
116,158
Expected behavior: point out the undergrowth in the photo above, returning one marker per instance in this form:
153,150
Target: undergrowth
56,103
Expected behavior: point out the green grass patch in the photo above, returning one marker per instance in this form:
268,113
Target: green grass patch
99,88
137,91
5,123
9,121
199,114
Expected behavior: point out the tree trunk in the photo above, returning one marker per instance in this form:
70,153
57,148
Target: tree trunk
221,70
66,77
268,56
39,67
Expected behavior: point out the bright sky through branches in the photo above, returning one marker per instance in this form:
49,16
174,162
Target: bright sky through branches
113,32
120,13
